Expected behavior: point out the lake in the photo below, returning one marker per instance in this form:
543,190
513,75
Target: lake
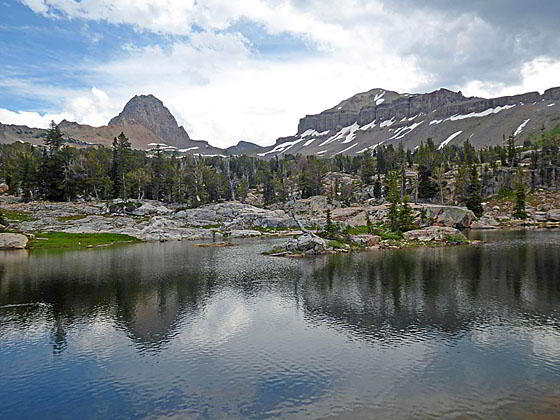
168,330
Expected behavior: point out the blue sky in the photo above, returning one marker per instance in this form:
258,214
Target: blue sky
248,70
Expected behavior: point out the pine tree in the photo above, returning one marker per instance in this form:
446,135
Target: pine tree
52,165
473,198
520,211
119,165
53,138
427,188
393,196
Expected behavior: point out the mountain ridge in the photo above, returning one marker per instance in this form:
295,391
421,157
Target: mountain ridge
370,119
355,125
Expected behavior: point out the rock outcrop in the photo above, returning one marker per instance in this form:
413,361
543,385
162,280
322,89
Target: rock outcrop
12,241
434,233
308,244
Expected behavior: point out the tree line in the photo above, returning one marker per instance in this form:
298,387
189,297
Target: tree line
59,172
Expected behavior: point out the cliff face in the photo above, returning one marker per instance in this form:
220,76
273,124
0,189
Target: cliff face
384,105
377,117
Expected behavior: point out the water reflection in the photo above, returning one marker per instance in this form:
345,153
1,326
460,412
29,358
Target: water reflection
170,329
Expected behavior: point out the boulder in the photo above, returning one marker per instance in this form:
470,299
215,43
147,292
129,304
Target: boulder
540,216
353,216
450,216
485,223
4,188
365,240
432,233
553,215
147,209
12,241
308,244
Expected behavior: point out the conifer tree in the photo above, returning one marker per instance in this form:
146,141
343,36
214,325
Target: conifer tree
520,210
473,198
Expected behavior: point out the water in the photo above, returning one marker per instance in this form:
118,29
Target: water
170,330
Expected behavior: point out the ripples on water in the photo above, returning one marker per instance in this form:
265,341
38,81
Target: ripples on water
170,330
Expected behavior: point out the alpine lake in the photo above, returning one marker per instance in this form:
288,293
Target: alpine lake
169,330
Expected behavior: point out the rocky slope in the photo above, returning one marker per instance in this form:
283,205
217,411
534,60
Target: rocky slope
367,120
145,120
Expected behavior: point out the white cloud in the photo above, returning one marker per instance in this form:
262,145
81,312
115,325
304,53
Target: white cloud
223,90
93,108
32,119
537,75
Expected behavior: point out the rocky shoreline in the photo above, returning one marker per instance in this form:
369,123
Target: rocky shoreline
153,221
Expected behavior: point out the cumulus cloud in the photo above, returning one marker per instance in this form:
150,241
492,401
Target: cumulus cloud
93,108
222,88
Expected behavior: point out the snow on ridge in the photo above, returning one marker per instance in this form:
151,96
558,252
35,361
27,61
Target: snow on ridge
352,133
521,127
378,99
375,146
308,133
408,130
480,114
451,137
281,148
368,126
387,123
345,150
186,150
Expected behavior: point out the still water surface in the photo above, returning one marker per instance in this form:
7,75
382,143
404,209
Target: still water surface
170,330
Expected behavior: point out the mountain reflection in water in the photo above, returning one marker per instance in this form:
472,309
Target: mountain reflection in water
173,330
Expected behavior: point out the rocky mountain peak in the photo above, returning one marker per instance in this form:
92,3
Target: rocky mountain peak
148,111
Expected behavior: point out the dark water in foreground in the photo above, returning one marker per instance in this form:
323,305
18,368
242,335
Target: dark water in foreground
169,330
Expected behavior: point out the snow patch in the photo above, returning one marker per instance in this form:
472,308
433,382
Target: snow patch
281,148
368,126
408,130
436,122
345,150
484,113
451,137
186,150
387,123
521,127
321,152
550,105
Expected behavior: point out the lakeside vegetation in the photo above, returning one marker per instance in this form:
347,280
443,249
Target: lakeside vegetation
63,240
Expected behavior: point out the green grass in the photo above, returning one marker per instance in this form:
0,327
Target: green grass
71,218
456,239
211,226
17,215
359,230
274,251
506,194
272,229
60,240
337,244
378,230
